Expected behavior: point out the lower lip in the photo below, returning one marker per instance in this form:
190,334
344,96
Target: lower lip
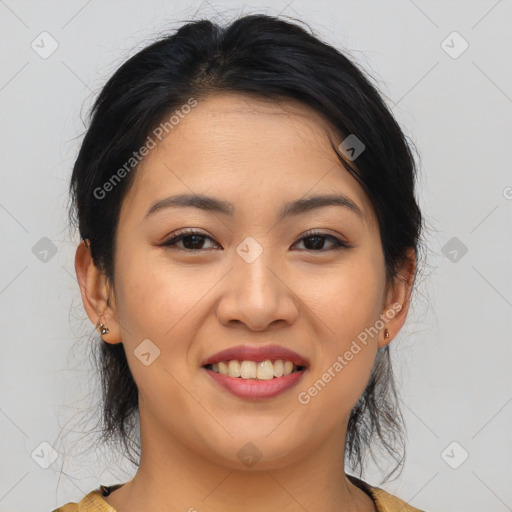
252,389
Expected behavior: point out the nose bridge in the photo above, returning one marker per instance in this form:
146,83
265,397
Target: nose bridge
255,272
255,295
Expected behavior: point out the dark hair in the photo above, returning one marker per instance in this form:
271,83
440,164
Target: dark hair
267,57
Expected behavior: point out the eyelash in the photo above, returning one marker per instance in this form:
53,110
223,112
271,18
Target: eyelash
338,244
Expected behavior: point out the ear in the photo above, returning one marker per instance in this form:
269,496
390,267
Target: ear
398,299
97,298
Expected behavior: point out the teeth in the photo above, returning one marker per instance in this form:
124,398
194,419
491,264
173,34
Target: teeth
248,370
263,370
279,368
223,368
234,369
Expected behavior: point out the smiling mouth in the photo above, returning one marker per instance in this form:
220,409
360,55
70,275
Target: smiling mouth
252,370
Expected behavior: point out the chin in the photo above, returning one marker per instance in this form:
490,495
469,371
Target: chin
253,452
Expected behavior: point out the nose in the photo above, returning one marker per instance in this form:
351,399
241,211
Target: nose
257,295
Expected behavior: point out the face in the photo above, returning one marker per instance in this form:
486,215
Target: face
300,287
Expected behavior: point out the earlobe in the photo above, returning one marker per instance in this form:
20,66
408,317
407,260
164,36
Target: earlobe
95,294
399,297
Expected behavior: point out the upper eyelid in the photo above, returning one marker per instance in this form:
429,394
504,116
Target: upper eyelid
177,237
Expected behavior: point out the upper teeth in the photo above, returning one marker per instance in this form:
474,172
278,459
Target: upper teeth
263,370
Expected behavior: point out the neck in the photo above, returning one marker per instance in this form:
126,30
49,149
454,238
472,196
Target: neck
171,477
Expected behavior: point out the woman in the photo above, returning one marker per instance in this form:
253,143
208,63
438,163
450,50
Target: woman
249,248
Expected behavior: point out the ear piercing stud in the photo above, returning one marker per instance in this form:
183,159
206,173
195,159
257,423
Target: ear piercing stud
103,329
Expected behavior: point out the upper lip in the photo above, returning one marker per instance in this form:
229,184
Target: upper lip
257,354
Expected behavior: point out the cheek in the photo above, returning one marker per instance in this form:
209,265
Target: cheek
350,307
350,299
156,298
154,304
335,386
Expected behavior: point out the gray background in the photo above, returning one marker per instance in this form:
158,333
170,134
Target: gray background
452,357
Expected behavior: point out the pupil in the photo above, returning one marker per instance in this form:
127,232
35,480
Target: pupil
196,239
319,241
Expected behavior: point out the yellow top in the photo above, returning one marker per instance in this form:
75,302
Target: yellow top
384,502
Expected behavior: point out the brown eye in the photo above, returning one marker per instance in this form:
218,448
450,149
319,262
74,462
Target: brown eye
191,241
194,241
315,242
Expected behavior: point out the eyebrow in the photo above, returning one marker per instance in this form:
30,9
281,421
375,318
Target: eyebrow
292,208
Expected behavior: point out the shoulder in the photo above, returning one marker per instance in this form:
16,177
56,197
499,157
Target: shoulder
384,501
92,502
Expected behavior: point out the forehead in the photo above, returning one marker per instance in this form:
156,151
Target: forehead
244,149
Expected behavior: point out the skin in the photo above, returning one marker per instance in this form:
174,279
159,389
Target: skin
257,155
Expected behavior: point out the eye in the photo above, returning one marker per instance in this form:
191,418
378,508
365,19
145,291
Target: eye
316,241
193,240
